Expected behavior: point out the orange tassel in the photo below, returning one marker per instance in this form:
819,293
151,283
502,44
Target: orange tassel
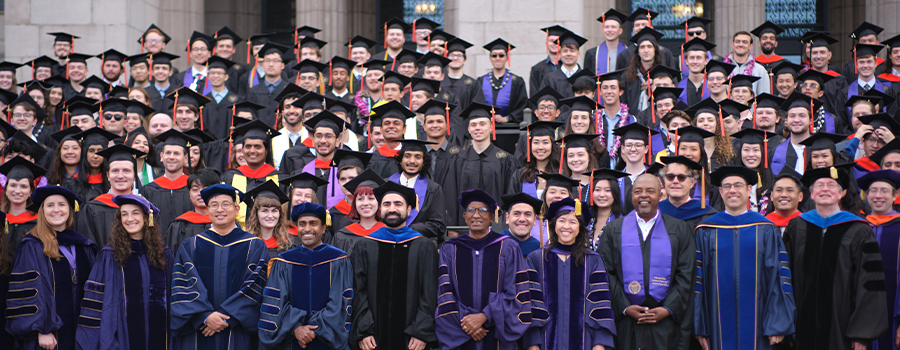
771,83
189,53
649,19
563,152
729,89
101,116
855,69
277,116
447,112
754,113
32,70
330,72
547,42
414,31
385,35
508,54
685,35
721,122
248,50
175,107
649,148
528,145
67,67
812,118
677,140
765,154
493,125
142,44
349,48
369,135
394,62
201,118
591,189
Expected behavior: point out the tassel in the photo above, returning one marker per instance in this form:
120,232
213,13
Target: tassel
349,48
528,145
579,196
330,72
541,229
277,116
685,35
189,53
721,122
445,49
508,54
385,35
327,219
417,203
649,19
703,190
649,149
812,117
414,31
496,211
77,208
150,223
771,83
493,125
598,87
652,99
393,62
754,113
101,116
429,42
201,118
729,88
855,68
765,154
174,108
447,113
578,203
248,50
230,135
369,134
67,67
677,140
295,37
32,70
591,190
142,44
563,152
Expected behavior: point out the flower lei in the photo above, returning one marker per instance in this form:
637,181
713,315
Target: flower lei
361,104
763,204
614,150
751,62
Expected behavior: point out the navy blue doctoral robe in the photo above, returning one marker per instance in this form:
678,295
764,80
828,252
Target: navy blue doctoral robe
126,306
887,232
743,292
578,298
307,288
218,273
45,294
489,276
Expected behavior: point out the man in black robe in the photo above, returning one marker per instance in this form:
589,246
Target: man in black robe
653,307
428,216
94,221
226,41
395,280
162,84
197,220
462,85
442,153
326,128
216,118
548,64
393,116
612,21
500,87
257,148
569,51
837,269
272,85
170,191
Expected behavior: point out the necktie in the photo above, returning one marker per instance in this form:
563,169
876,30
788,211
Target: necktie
271,88
866,87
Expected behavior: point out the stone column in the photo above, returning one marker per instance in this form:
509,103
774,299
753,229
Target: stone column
331,16
732,16
244,17
843,17
593,30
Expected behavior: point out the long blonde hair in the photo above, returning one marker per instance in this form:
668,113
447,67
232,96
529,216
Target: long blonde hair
280,233
44,232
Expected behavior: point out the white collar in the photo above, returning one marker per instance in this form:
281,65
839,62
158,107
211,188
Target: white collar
863,82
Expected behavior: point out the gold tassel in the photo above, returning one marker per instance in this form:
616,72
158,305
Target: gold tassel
76,207
150,224
327,219
417,202
834,173
496,215
577,208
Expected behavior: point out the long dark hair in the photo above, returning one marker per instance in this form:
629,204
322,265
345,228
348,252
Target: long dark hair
529,168
57,173
201,163
599,149
151,154
84,170
766,177
888,64
618,207
426,163
579,248
120,241
635,67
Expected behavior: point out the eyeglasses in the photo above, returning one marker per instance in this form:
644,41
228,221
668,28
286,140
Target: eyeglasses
680,177
455,56
635,145
500,55
153,41
110,116
809,86
215,206
695,33
830,186
200,49
737,186
546,108
22,115
483,211
716,79
886,191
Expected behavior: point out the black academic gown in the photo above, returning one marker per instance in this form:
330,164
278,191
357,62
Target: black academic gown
668,333
395,287
489,171
69,91
464,88
260,95
346,238
558,81
158,101
442,161
48,293
234,76
295,158
431,218
85,192
339,218
538,72
217,117
18,226
215,154
171,197
187,225
94,221
518,97
838,281
382,162
669,60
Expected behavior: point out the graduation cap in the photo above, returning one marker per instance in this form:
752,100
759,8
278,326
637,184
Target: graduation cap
662,93
309,66
338,62
477,195
221,189
458,44
719,66
392,77
310,41
436,107
706,105
697,44
306,31
326,119
121,152
268,189
787,67
139,201
70,133
256,130
112,55
407,56
335,106
114,105
97,83
874,100
499,44
39,113
749,175
789,172
546,94
8,130
695,22
866,49
892,42
880,119
646,33
692,133
884,151
891,177
174,137
58,81
822,140
415,145
219,62
557,180
837,172
510,200
816,76
184,95
432,59
309,209
138,59
427,85
74,58
198,135
570,38
654,168
864,29
821,40
118,92
310,101
642,14
612,14
582,210
7,66
805,37
41,193
162,58
440,34
79,105
33,85
270,48
393,109
740,80
289,89
635,131
797,99
424,23
368,178
732,108
614,75
767,27
19,168
766,100
604,174
580,103
305,180
582,73
396,23
886,100
577,141
344,158
63,37
166,37
360,41
95,136
408,194
42,61
259,39
375,64
226,33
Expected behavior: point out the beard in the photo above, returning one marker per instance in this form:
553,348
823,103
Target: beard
767,51
394,219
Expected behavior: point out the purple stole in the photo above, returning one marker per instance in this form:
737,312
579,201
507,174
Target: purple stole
829,120
853,90
530,188
684,97
540,231
684,67
602,51
252,79
657,142
779,158
633,260
189,79
420,187
332,196
503,96
621,182
697,195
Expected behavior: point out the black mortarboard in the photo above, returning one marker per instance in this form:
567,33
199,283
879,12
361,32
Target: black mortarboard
39,150
874,100
163,58
892,42
256,130
635,131
95,136
19,168
309,66
392,77
270,48
343,158
309,101
580,103
394,110
118,92
260,39
890,147
766,100
219,62
542,128
499,44
557,180
477,195
174,137
787,67
33,85
821,40
864,29
891,177
662,92
432,59
512,199
743,80
789,172
661,70
246,106
268,189
326,119
415,145
654,168
97,83
226,33
114,105
570,38
408,194
749,175
816,76
310,41
614,75
697,44
681,160
751,136
7,96
79,105
822,140
405,56
458,44
77,58
377,64
166,37
58,81
199,135
880,119
886,100
396,23
7,66
435,107
641,15
361,41
546,94
838,172
42,61
579,140
582,73
121,152
304,180
63,37
646,33
692,133
477,110
427,85
613,14
335,106
39,113
695,22
866,49
719,66
138,59
41,193
338,62
605,174
139,108
367,178
112,55
732,108
767,27
706,105
221,189
425,23
70,133
797,99
288,89
307,31
440,34
569,204
184,95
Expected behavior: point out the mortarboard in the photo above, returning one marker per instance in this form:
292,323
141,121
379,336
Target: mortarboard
246,106
415,145
290,88
396,23
306,31
427,85
797,99
822,140
219,62
112,55
580,103
880,119
697,44
256,130
338,62
259,39
268,189
458,44
884,151
310,101
719,66
612,14
138,59
749,175
95,136
510,200
646,33
767,27
335,106
326,119
408,194
221,189
270,48
41,193
19,168
432,59
864,29
344,158
162,58
174,137
42,61
310,41
70,133
766,100
570,38
546,94
740,80
97,83
440,34
226,33
76,58
662,93
58,81
660,71
499,44
816,76
309,66
118,92
690,164
7,66
693,134
787,67
886,100
63,37
838,172
892,42
405,56
392,77
304,180
121,152
578,141
821,40
582,73
184,95
166,37
860,50
360,41
732,108
368,178
642,14
557,180
199,136
394,110
39,113
695,22
375,64
424,23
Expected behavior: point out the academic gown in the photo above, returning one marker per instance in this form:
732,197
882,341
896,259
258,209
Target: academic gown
225,274
489,170
18,226
45,295
673,332
94,221
538,72
173,198
260,95
785,156
838,280
234,76
345,238
483,276
307,287
158,101
217,117
7,341
244,178
887,233
295,158
692,93
94,188
558,81
849,74
464,88
395,288
442,162
527,246
768,62
339,214
428,216
689,212
668,59
215,154
577,297
382,162
743,291
126,306
854,89
601,66
509,101
187,225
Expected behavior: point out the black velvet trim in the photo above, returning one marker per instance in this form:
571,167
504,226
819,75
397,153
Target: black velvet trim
391,297
875,286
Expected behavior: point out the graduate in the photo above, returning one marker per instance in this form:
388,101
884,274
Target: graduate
170,192
743,297
491,312
326,128
197,220
6,261
90,179
256,138
790,153
569,45
522,212
680,177
94,221
46,285
395,280
574,283
540,155
603,58
126,296
695,86
392,117
220,275
635,152
500,87
578,159
547,64
881,192
643,246
267,220
785,196
606,202
20,184
428,217
308,294
364,211
274,82
444,150
836,268
215,115
768,40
